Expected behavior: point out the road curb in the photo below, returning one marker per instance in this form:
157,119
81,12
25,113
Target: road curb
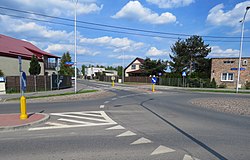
30,124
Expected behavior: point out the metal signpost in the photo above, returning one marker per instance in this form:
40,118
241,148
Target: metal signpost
183,78
154,80
113,81
23,114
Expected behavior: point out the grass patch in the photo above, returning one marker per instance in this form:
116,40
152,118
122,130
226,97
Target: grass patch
135,83
55,95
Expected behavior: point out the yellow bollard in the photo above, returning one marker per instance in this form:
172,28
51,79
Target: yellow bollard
113,83
153,87
23,114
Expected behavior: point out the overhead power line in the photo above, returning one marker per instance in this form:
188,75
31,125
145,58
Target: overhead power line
113,31
119,27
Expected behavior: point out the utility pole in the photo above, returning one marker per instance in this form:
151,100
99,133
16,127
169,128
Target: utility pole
75,47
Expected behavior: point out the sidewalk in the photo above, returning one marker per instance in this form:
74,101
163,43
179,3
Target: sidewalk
12,121
4,97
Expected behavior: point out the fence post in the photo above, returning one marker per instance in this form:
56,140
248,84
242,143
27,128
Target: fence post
45,85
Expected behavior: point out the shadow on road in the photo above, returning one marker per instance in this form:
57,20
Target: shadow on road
218,155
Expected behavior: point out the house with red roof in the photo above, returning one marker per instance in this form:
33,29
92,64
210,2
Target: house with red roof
10,51
134,68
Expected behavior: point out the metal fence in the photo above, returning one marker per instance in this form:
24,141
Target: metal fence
38,83
187,82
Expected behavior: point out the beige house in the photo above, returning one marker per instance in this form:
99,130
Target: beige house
225,71
133,69
11,50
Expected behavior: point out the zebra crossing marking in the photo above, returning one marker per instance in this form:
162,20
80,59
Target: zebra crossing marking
77,119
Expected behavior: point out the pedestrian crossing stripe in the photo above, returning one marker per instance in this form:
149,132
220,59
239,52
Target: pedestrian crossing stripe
77,119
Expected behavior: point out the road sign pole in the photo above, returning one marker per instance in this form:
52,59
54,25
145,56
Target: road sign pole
153,87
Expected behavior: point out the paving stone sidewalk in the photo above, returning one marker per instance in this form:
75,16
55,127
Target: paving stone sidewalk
13,122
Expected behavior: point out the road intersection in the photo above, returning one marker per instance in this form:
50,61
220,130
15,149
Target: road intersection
132,125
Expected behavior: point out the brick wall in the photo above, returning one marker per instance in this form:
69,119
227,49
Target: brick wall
230,65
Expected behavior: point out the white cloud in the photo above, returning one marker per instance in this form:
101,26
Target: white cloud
9,25
134,10
155,52
171,3
117,44
62,48
216,51
122,56
218,17
58,7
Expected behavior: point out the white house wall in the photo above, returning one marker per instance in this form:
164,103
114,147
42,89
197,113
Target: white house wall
10,66
129,69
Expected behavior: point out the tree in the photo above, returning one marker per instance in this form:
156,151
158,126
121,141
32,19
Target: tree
188,54
35,68
1,73
83,69
153,67
119,70
66,69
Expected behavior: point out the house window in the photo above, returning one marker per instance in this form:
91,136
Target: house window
228,62
227,77
133,66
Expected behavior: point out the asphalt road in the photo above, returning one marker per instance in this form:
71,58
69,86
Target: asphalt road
161,125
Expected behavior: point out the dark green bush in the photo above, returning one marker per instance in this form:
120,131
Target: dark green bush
222,85
247,85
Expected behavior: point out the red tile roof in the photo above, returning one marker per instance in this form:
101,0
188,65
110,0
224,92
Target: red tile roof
14,47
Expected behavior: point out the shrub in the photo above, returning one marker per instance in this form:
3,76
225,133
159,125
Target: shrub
1,73
222,85
213,84
247,85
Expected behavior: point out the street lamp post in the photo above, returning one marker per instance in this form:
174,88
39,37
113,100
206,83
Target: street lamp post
241,44
75,47
123,67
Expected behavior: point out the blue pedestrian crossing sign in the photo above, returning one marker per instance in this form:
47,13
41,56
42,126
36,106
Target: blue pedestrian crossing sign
154,80
184,74
23,80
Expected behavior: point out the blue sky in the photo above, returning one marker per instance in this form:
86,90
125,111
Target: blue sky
98,47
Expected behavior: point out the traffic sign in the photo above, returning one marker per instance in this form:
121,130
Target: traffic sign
184,74
113,78
235,69
69,63
23,80
154,80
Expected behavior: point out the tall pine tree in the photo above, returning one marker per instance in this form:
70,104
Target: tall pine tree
189,55
35,68
66,69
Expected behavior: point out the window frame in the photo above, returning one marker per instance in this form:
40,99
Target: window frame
228,75
133,66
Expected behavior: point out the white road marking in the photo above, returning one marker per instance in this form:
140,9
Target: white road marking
114,99
141,141
78,123
102,106
80,117
90,114
162,149
54,124
106,102
115,127
188,157
126,134
74,121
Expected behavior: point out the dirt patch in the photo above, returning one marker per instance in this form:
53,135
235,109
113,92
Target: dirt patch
240,106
